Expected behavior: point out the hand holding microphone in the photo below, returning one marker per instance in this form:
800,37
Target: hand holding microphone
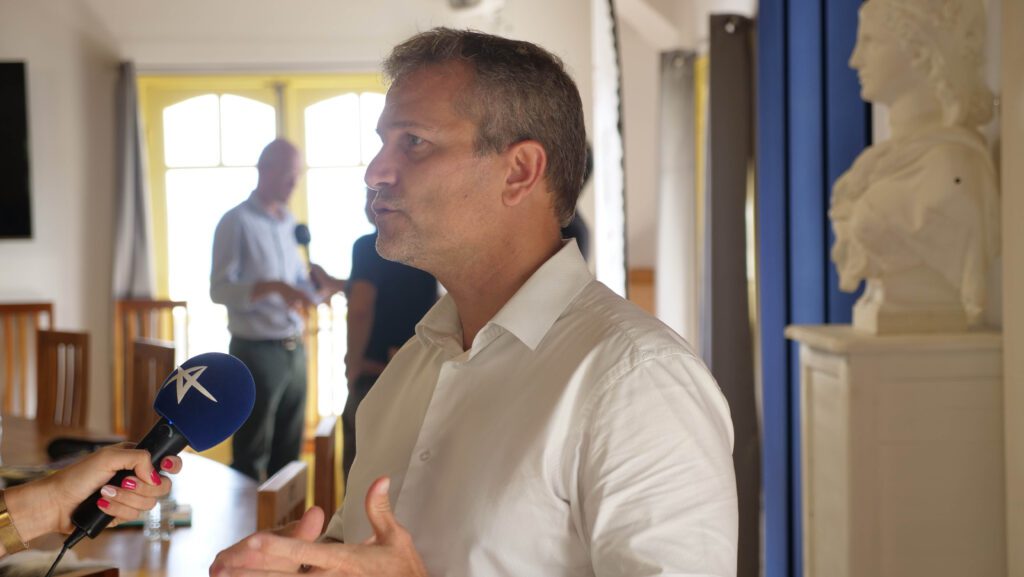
323,282
304,237
44,506
201,403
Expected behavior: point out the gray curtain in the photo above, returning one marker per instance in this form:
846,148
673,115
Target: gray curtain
134,276
677,258
728,319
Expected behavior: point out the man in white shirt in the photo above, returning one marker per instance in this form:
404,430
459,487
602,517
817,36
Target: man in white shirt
537,424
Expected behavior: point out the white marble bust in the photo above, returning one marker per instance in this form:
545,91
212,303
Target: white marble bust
917,215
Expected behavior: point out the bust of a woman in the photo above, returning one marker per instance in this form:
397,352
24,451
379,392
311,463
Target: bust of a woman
917,215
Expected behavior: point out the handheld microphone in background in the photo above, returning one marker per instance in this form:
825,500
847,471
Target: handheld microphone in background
201,403
304,237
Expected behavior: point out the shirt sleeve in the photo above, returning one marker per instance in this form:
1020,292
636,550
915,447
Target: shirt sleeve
225,270
656,485
303,282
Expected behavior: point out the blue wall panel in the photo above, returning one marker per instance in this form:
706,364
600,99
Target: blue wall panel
848,126
811,125
773,280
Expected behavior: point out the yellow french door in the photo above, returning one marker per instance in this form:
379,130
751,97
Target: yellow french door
204,135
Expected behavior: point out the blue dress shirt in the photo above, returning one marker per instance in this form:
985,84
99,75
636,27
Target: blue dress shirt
251,246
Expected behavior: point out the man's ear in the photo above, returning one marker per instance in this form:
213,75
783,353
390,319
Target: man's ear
527,163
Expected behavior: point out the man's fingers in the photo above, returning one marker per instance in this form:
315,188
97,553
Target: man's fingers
253,573
333,555
378,509
309,527
246,554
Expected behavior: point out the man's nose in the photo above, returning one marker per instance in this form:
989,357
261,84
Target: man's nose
381,170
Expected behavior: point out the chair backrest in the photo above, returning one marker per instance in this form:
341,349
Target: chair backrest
281,499
18,324
137,318
94,572
326,462
152,361
63,378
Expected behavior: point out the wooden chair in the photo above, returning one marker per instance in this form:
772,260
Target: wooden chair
94,572
326,463
311,340
152,361
150,319
62,386
281,499
19,322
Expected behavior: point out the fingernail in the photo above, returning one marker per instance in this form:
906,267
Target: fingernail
129,483
108,491
166,464
102,503
156,477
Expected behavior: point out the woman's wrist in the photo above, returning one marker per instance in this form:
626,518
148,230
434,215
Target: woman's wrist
33,509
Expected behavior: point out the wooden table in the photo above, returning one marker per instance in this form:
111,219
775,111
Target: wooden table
223,512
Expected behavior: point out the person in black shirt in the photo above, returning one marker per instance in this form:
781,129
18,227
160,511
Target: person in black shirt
385,301
577,228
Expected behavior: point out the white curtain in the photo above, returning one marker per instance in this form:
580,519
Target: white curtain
134,276
609,175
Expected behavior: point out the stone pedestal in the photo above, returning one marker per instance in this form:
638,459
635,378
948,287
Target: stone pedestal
901,453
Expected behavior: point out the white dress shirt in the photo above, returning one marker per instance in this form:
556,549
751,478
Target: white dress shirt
578,436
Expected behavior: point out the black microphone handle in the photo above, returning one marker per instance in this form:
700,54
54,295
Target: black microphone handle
305,247
163,440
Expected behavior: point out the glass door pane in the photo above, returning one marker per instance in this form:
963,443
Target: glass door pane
340,138
211,145
196,200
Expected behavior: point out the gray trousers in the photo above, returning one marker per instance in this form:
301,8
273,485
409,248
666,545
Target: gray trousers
272,436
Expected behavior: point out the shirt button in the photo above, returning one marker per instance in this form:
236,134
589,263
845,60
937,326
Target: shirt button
425,456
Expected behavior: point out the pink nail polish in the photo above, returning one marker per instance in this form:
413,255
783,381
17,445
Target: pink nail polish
129,484
156,478
103,503
166,464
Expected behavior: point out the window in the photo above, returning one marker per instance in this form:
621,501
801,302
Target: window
204,135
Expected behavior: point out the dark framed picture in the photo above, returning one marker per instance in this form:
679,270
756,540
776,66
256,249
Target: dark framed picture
15,188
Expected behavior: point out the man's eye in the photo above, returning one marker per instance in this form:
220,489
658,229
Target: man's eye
414,140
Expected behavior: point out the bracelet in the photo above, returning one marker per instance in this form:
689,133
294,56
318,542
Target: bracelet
9,536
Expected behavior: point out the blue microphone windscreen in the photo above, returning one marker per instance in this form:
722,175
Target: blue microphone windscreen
207,398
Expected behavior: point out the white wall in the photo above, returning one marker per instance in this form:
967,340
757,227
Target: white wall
72,50
640,63
640,56
71,79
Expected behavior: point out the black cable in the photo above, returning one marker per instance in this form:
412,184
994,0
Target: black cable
70,542
60,556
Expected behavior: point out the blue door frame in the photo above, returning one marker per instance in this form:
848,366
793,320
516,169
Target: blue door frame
811,125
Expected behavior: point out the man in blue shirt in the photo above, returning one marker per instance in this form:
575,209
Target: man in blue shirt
258,274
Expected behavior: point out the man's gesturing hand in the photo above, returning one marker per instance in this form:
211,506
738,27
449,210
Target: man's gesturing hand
250,554
388,553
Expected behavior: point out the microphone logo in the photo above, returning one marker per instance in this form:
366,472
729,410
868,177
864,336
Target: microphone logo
185,379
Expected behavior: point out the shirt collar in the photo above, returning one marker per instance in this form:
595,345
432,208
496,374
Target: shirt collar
255,206
528,315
